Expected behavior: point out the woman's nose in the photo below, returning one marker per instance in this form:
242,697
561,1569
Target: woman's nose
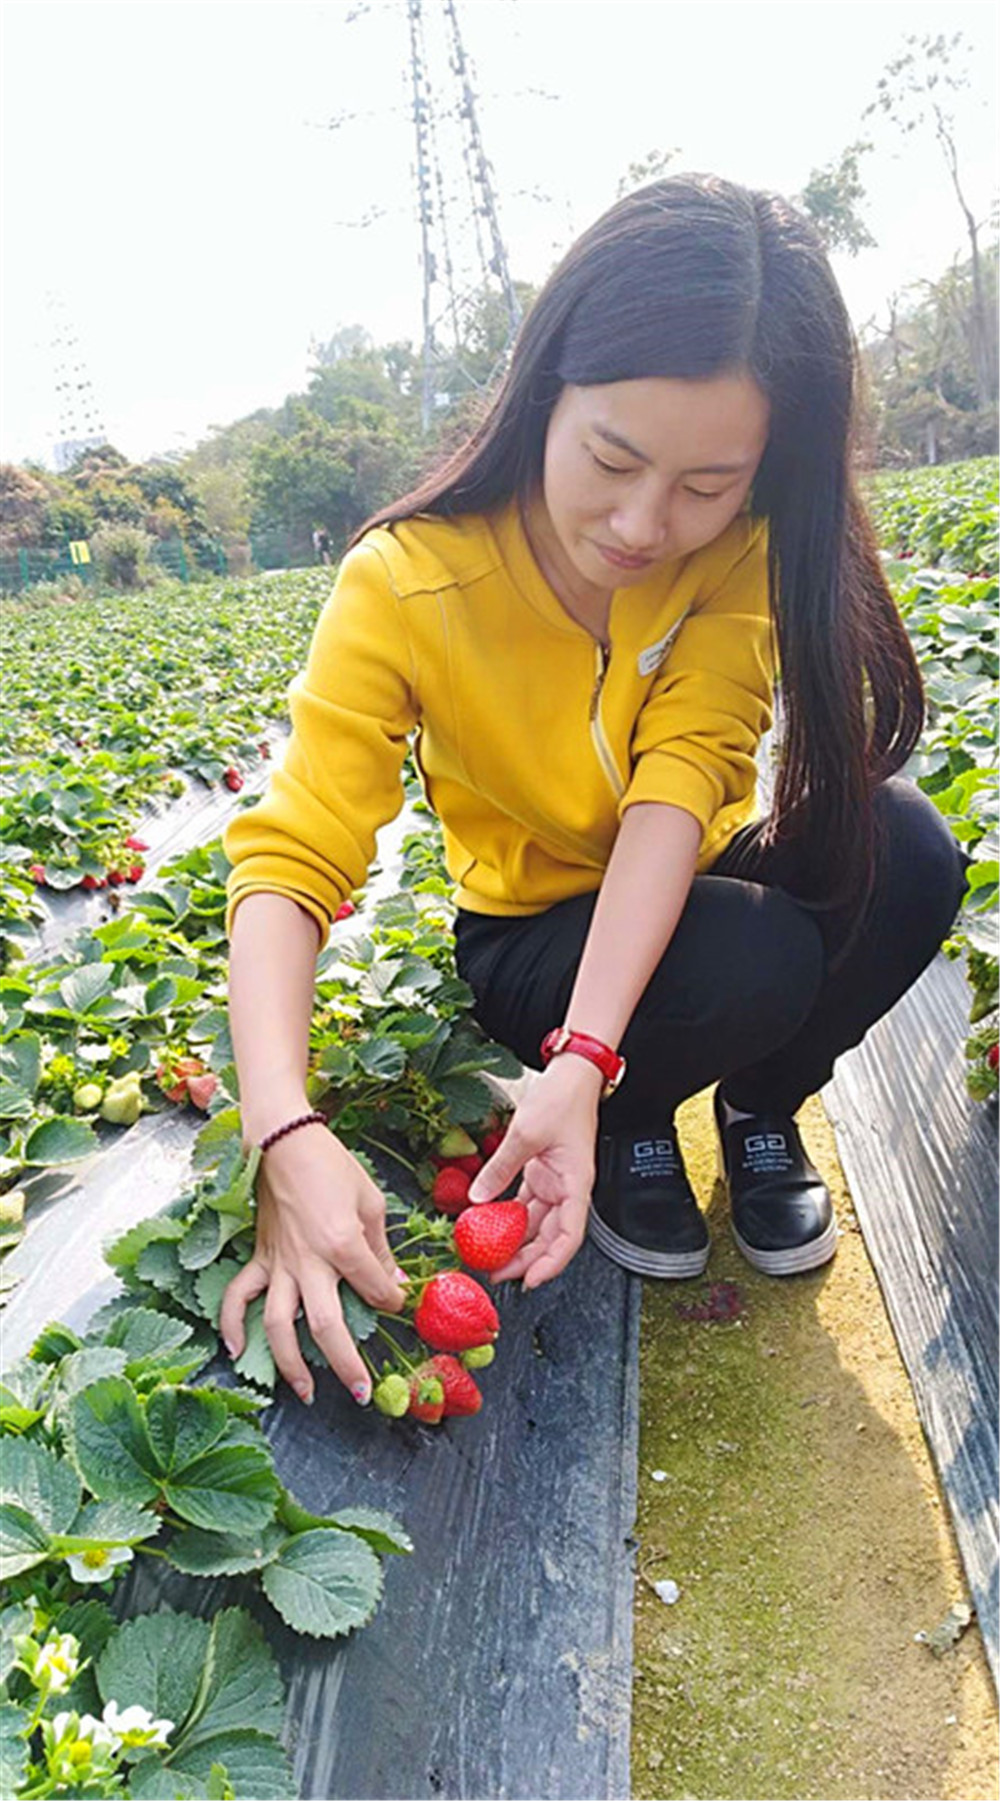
641,531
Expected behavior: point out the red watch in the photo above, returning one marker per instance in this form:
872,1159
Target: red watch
608,1061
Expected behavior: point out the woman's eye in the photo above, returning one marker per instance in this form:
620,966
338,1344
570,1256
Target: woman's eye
699,494
609,468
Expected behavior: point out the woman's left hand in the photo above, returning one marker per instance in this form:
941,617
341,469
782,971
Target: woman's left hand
552,1137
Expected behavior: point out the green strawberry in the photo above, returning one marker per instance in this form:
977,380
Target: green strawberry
478,1358
87,1097
392,1395
122,1103
455,1143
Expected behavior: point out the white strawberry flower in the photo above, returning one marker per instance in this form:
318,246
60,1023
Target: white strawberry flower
87,1727
77,1750
58,1660
135,1726
97,1563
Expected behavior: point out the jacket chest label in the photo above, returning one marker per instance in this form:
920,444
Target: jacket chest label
654,654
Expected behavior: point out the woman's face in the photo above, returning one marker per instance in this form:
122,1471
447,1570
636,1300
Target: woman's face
652,469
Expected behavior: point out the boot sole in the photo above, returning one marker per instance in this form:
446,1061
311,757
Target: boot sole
674,1265
790,1262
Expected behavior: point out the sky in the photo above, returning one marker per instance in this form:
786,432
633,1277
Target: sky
199,193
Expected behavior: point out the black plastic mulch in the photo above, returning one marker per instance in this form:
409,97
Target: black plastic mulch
920,1158
499,1660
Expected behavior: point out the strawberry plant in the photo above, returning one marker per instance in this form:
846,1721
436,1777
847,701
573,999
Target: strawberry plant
939,529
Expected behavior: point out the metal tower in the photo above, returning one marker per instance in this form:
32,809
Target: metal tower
462,251
438,267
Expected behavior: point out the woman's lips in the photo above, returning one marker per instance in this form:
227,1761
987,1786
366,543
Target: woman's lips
620,562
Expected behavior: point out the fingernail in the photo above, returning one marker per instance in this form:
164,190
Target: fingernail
304,1392
362,1393
230,1347
400,1274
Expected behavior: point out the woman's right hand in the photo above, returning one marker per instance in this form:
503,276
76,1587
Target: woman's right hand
319,1217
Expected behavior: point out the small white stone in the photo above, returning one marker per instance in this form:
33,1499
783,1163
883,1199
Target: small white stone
658,1475
668,1591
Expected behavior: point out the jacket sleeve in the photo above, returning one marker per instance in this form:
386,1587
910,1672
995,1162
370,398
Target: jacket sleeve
312,835
696,736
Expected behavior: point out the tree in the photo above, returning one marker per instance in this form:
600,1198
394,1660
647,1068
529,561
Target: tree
23,500
328,475
830,199
920,370
912,92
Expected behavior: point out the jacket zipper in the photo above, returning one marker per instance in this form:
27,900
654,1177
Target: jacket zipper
601,744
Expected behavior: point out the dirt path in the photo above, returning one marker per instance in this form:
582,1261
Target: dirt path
785,1486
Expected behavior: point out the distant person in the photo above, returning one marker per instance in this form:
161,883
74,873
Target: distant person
583,613
321,545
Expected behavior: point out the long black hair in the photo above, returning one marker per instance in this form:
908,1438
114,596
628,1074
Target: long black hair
690,277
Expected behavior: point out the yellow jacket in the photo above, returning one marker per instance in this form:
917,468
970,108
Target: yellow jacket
530,740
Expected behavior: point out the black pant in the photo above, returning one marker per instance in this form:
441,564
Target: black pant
744,990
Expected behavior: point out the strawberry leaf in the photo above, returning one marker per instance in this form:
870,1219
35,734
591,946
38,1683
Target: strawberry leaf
240,1682
109,1443
123,1252
14,1746
324,1583
156,1662
183,1424
23,1543
255,1765
200,1553
107,1523
232,1488
59,1140
44,1485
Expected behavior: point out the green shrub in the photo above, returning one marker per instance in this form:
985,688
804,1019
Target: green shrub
121,554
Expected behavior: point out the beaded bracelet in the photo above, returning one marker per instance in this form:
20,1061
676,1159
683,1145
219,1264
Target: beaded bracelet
304,1119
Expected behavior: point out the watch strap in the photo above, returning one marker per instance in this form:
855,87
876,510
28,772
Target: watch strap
563,1038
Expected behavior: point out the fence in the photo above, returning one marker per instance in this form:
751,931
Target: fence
23,567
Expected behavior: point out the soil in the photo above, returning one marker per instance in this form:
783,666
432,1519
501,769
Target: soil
786,1488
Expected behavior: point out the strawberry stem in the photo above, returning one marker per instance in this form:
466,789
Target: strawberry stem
397,1348
377,1145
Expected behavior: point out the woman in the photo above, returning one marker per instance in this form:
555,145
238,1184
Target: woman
583,611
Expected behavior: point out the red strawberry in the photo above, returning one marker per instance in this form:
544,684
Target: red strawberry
461,1395
470,1165
426,1396
265,749
993,1055
345,910
454,1313
135,870
486,1237
492,1142
174,1077
450,1192
91,882
37,872
116,877
202,1088
233,778
135,844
